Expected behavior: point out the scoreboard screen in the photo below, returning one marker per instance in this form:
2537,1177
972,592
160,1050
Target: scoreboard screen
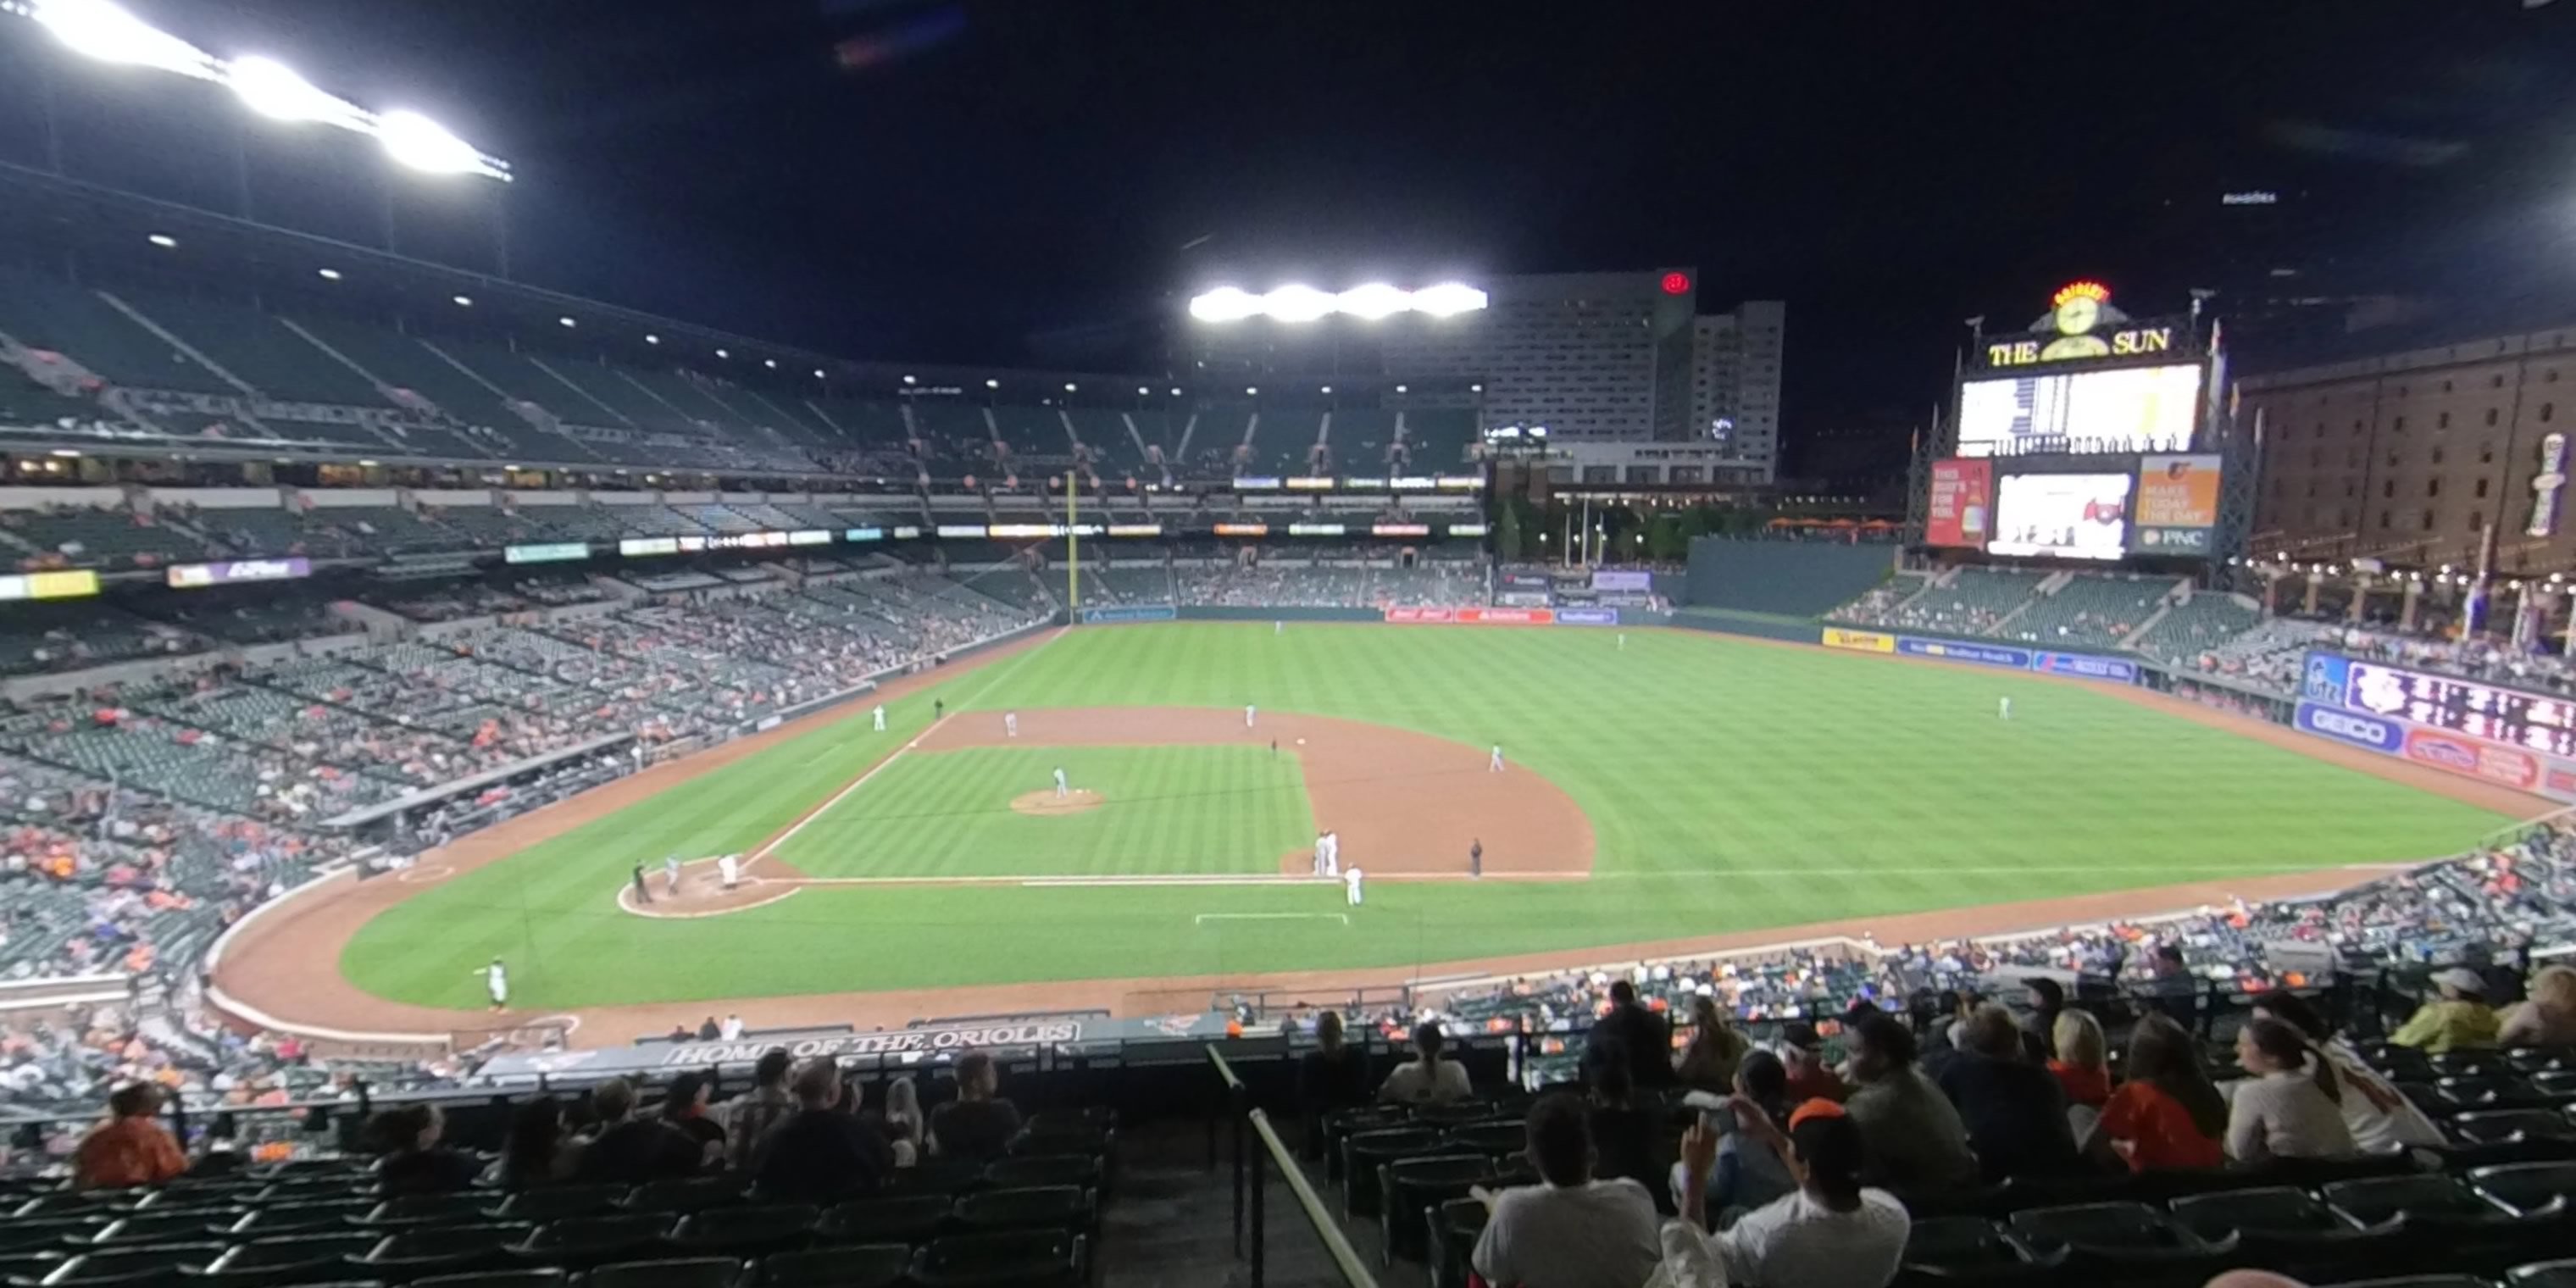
2529,720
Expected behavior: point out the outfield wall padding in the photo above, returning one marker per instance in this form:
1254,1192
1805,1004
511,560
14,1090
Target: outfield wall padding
1791,578
1255,613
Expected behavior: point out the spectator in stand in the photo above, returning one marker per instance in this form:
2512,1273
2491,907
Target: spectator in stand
1834,1232
538,1151
2548,1016
2014,1111
2292,1105
630,1150
129,1148
905,1124
750,1116
1715,1050
1570,1230
2456,1018
1744,1175
1623,1130
414,1161
2379,1116
1803,1054
2176,990
1915,1138
820,1154
1634,1034
1426,1079
2047,1002
2165,1115
685,1108
1332,1076
978,1124
2082,1069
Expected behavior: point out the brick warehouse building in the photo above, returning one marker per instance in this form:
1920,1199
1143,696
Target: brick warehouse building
2406,457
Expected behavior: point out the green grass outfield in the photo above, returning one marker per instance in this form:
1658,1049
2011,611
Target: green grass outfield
1733,785
1165,810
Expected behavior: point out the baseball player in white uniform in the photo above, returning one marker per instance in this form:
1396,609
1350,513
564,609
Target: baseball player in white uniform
880,716
1010,724
496,981
1351,885
671,874
2003,709
730,866
1247,715
1332,854
1060,790
1495,764
1319,855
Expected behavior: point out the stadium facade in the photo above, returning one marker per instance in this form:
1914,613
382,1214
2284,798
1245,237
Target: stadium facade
1593,357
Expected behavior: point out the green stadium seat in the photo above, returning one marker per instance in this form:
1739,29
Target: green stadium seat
870,1265
293,1259
688,1272
431,1251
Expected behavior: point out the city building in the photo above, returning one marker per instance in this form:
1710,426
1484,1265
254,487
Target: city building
1592,357
2407,457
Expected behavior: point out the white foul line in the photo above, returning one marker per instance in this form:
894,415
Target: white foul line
862,780
1206,917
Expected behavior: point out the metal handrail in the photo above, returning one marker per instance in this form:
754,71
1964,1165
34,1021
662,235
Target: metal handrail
1355,1272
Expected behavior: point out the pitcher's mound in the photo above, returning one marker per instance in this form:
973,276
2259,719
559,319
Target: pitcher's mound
1048,803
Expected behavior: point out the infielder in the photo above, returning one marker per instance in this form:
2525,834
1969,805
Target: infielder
1010,724
1495,765
671,875
1476,859
1332,854
2003,709
496,981
1623,641
880,714
1247,715
643,893
1319,855
1278,627
1060,792
1351,885
730,867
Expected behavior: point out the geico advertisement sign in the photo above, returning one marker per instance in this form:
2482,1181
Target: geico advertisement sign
2351,727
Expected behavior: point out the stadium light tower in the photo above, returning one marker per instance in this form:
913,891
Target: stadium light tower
1369,302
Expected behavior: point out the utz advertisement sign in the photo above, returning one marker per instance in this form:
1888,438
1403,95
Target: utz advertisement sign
1861,641
2176,505
1961,503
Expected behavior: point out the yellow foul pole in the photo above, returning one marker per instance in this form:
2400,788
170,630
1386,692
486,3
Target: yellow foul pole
1072,550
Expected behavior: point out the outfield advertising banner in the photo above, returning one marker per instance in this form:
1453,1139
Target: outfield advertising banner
1130,613
191,576
1471,616
2018,659
1962,498
1861,641
546,553
2176,506
1587,617
2472,758
2087,666
1608,580
2368,732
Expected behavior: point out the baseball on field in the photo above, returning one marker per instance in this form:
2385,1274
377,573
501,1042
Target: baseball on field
1301,742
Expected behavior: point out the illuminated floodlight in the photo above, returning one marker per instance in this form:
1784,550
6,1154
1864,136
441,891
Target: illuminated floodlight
106,32
1226,304
818,374
163,240
1399,389
1448,299
724,353
414,140
1142,391
771,363
1176,393
1249,390
991,383
1069,386
1297,302
1373,301
1328,389
650,338
566,323
463,301
327,274
912,380
274,90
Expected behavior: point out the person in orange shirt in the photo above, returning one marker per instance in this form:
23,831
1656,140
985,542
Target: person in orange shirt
2167,1114
129,1148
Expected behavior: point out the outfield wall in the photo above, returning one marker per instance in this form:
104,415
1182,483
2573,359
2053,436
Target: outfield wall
1790,578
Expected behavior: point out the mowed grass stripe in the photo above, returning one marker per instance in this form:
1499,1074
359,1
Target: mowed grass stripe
1710,768
1179,809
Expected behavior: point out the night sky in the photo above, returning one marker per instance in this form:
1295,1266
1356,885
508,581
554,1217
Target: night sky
1018,181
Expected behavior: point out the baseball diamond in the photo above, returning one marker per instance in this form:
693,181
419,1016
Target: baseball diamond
1673,789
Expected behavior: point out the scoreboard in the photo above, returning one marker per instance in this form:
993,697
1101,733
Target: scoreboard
2536,722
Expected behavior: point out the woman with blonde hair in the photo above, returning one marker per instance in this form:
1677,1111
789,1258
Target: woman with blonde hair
2549,1017
904,1121
1715,1050
2081,1065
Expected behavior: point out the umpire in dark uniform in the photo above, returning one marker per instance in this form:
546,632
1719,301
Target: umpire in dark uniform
1476,858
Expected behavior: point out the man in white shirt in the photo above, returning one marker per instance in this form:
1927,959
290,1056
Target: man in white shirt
1426,1079
1832,1233
1351,885
1569,1231
880,714
732,1028
730,868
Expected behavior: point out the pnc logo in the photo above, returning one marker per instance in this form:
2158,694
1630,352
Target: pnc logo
2444,752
